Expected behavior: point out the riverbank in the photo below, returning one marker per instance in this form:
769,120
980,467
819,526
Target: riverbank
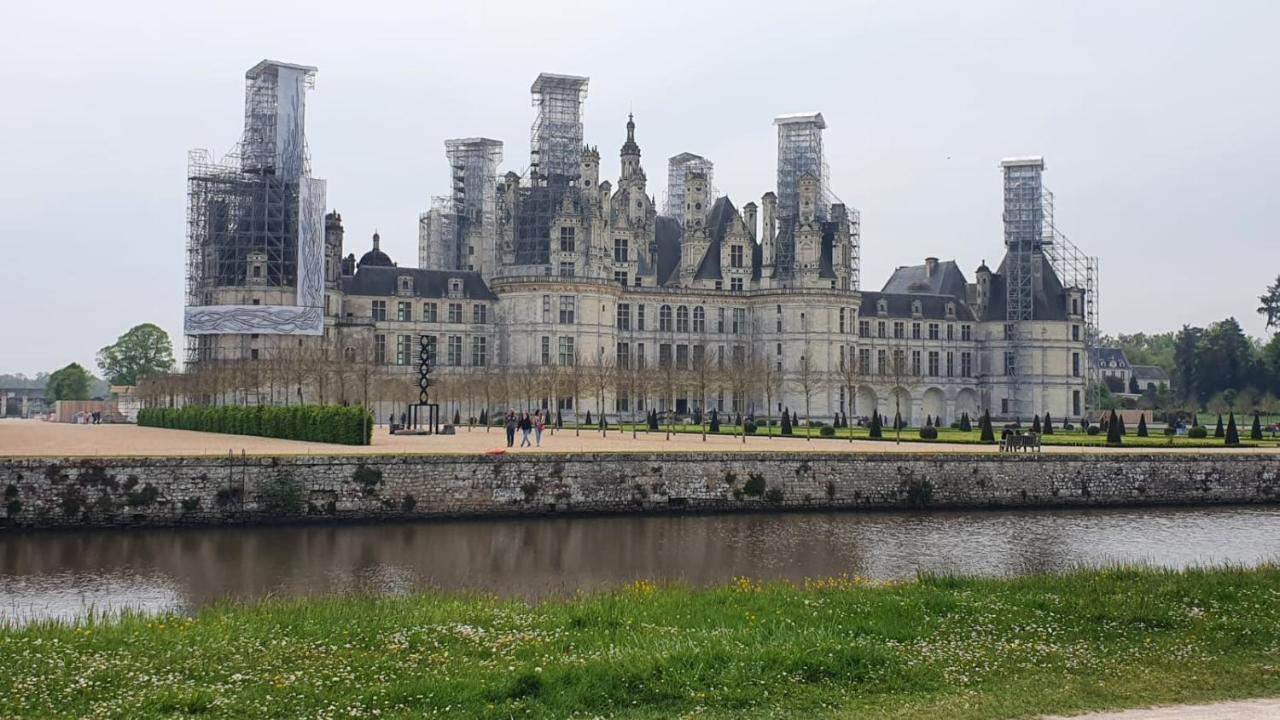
841,648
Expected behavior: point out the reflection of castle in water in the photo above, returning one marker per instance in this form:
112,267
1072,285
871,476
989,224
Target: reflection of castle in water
61,573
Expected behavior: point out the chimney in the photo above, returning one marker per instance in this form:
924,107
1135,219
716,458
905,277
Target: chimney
930,266
769,204
749,219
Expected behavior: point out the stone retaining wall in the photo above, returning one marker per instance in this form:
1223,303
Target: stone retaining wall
52,492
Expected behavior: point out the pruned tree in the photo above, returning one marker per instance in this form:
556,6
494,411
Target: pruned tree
601,374
897,374
851,374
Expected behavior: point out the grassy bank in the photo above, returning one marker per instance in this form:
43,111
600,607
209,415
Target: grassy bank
958,648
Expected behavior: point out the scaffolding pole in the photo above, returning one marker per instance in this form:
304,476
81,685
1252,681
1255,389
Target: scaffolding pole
1076,269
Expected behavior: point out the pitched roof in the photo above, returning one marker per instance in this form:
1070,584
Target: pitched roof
667,234
1048,302
1150,373
947,279
380,281
932,307
1104,357
718,221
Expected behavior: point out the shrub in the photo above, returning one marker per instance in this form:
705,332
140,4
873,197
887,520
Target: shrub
1093,430
1035,424
282,495
1219,431
988,434
755,485
1199,432
929,433
825,431
773,495
786,422
749,427
876,431
1115,429
1048,424
1142,425
966,425
1233,434
347,425
1255,432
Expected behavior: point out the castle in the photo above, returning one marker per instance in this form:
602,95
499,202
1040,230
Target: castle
703,305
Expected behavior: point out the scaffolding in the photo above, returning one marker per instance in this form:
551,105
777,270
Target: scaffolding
436,249
1023,233
255,219
556,138
1076,269
473,164
678,167
799,154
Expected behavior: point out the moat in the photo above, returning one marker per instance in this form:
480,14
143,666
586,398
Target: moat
68,574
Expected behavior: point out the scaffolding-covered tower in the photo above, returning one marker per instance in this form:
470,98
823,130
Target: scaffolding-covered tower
1075,269
678,168
255,222
1023,235
555,163
436,249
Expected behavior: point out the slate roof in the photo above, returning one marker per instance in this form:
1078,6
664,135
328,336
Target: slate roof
380,281
667,232
718,221
947,279
1150,374
1049,302
932,307
1103,357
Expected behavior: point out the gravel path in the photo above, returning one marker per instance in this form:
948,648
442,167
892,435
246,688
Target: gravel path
1240,710
37,438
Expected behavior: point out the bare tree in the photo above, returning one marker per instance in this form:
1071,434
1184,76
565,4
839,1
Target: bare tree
807,380
851,373
701,379
770,378
898,374
601,373
576,380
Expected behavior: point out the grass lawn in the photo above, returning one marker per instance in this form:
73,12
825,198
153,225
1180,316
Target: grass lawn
842,648
947,435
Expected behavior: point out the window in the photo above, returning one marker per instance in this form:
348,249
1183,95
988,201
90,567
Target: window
546,308
864,360
1075,402
546,350
915,362
624,316
682,319
719,284
380,349
253,353
1075,306
915,308
1075,364
915,331
882,364
966,364
455,312
951,331
639,356
900,362
404,349
735,284
899,330
739,321
1010,363
567,235
933,331
664,319
699,320
624,356
479,351
951,364
880,328
620,250
567,303
1009,331
379,309
1004,406
1075,333
566,269
479,314
664,355
404,311
933,364
455,287
841,320
966,332
739,356
567,353
951,310
682,357
430,313
640,317
431,348
257,271
735,256
455,350
882,307
620,277
719,320
864,328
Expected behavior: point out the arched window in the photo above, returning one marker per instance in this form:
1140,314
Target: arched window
664,318
682,319
699,320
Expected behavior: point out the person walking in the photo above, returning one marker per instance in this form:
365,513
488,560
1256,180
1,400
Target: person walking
511,428
539,423
525,426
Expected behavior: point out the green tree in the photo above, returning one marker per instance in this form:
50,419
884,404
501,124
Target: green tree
143,350
1271,304
1233,433
69,383
1186,366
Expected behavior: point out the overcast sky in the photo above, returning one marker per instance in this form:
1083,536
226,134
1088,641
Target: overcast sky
1159,123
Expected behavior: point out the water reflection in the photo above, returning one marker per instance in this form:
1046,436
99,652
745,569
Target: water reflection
67,574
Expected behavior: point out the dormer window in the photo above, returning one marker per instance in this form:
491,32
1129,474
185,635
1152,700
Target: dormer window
882,307
915,308
951,310
455,287
405,285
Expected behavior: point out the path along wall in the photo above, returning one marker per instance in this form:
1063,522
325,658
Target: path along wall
51,492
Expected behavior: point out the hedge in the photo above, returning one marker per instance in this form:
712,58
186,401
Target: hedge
346,425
